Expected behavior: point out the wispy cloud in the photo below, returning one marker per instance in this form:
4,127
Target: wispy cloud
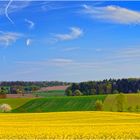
30,23
6,38
8,7
6,11
129,53
67,49
113,13
28,42
61,61
74,33
52,5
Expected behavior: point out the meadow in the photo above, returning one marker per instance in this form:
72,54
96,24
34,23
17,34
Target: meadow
50,93
15,102
132,100
57,104
71,103
70,125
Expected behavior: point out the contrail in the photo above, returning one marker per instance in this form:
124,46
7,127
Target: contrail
6,11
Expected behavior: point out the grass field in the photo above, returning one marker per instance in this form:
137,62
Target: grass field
70,125
56,104
132,100
64,103
50,93
15,103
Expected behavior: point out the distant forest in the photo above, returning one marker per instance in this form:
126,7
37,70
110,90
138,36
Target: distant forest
15,87
33,83
111,86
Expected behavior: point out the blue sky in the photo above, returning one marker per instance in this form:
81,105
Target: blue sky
69,41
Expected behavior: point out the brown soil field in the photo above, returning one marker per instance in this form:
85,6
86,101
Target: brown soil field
53,88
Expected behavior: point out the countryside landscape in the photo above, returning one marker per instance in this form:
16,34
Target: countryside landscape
69,70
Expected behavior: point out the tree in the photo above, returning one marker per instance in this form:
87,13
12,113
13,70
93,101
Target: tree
108,88
130,109
121,102
115,91
77,93
3,92
93,91
99,105
5,108
138,91
69,92
137,108
20,90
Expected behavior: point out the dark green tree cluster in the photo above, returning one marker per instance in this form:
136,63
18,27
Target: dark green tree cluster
33,83
3,91
111,86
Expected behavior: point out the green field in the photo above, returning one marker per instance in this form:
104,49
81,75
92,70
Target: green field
73,103
57,104
50,93
133,100
16,102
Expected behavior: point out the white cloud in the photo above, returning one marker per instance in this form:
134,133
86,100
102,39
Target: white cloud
28,42
129,53
7,7
67,49
30,23
60,61
74,33
114,14
6,38
14,6
6,11
98,50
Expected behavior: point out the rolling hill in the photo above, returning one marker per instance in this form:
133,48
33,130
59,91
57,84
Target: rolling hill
58,104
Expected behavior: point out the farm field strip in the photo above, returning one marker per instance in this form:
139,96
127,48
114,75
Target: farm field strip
70,125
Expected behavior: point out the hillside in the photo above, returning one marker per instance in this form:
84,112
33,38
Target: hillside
77,103
133,100
57,104
15,102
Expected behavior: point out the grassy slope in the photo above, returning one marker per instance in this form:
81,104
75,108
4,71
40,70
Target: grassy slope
55,104
132,100
15,103
51,93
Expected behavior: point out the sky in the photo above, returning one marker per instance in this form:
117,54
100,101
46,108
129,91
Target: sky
69,41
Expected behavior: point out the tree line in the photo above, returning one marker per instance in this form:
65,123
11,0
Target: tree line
14,87
33,83
111,86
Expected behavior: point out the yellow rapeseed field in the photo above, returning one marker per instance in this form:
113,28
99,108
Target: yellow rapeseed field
70,125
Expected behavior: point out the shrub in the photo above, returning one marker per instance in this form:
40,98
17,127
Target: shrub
130,109
69,92
137,108
5,108
99,105
121,102
115,92
77,93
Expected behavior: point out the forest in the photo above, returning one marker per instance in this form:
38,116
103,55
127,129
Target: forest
14,87
111,86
